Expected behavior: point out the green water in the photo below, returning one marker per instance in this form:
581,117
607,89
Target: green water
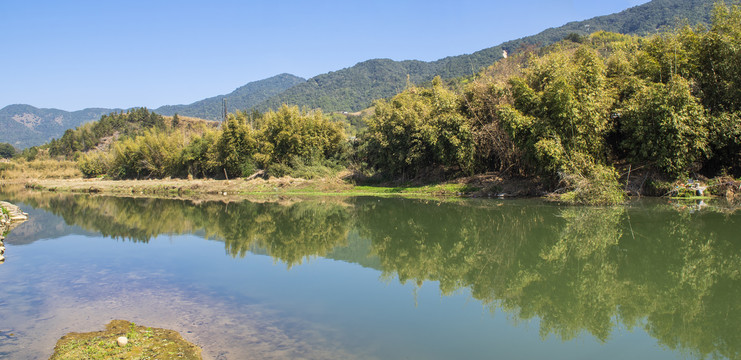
375,278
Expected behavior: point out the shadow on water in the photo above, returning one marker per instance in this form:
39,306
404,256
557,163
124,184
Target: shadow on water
651,265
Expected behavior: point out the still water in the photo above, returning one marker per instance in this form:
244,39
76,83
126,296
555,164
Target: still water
373,278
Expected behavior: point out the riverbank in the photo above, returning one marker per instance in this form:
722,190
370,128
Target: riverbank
10,217
485,185
489,185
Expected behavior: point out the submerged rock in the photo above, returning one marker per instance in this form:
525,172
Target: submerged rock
125,340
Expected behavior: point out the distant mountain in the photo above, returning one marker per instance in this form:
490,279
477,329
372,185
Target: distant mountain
25,125
354,88
245,97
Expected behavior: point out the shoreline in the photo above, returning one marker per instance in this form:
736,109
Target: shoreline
481,186
488,185
10,217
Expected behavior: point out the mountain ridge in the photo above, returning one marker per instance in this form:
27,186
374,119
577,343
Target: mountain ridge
355,87
330,91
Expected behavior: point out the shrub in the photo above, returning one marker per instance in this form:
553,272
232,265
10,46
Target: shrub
666,125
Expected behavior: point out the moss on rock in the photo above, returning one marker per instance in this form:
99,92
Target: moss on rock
143,343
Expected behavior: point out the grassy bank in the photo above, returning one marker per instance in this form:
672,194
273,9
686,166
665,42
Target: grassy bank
487,185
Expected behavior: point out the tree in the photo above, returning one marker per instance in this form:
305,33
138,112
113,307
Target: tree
7,151
306,136
236,147
666,124
561,108
419,129
719,75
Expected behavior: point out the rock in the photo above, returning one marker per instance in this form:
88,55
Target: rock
2,259
158,343
122,341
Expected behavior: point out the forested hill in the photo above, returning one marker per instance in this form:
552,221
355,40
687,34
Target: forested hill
25,125
354,88
244,97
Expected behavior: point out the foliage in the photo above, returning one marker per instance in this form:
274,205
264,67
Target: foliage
665,124
560,109
235,147
481,100
597,184
719,68
94,164
419,129
290,133
154,154
199,157
88,136
7,151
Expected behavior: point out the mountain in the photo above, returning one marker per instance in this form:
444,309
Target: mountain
354,88
244,97
25,125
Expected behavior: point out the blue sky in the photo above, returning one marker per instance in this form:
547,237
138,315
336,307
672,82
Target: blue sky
76,54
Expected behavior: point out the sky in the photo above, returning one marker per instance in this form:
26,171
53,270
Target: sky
73,54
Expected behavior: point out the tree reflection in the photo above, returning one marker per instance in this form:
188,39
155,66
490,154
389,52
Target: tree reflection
289,233
674,273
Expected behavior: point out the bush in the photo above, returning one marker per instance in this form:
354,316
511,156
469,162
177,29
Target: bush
598,185
418,129
94,164
666,125
307,135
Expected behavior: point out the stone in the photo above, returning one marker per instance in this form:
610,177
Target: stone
122,341
2,259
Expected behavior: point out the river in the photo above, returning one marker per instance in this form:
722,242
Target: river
378,278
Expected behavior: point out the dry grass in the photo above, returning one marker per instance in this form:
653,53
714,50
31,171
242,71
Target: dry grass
39,169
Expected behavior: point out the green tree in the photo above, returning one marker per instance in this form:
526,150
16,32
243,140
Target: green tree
666,125
719,75
7,151
419,129
236,147
290,134
560,108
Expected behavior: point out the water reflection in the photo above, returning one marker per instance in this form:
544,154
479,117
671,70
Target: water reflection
674,273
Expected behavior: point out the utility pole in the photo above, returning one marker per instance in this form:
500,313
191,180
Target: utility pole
224,114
